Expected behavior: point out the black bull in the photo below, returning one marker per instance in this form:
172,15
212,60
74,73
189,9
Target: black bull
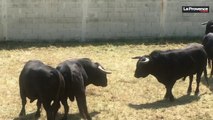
208,45
171,65
44,83
78,73
209,26
208,41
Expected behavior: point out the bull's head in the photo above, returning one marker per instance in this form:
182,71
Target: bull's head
98,75
142,67
209,26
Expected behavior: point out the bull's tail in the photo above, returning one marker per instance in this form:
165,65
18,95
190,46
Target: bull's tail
209,63
61,86
56,101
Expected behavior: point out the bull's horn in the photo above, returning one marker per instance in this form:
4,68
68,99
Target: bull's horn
145,60
204,23
101,68
137,57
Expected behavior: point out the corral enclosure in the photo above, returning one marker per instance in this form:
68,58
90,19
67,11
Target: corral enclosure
27,20
125,97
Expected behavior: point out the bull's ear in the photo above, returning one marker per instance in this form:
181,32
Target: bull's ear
145,60
137,57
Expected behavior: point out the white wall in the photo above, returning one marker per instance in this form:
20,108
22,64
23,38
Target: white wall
99,19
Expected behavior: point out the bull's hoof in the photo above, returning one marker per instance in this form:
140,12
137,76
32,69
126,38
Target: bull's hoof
171,99
37,115
64,118
197,93
188,92
166,97
89,118
22,113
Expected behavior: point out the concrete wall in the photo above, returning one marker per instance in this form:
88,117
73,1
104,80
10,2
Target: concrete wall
1,24
99,19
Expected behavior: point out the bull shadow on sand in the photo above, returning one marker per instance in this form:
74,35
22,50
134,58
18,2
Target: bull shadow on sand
30,116
76,116
59,116
185,99
210,80
166,103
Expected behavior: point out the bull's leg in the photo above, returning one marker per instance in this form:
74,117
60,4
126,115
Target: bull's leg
81,101
211,70
190,85
66,108
48,110
166,96
169,94
24,101
55,107
37,115
198,83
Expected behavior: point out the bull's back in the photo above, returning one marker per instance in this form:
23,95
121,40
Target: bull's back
184,62
36,81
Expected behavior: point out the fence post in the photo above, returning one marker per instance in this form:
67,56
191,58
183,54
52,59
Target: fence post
4,19
163,17
84,19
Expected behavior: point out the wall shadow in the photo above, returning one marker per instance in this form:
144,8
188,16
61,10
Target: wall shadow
11,45
59,116
165,103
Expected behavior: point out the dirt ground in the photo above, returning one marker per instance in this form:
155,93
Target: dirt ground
125,97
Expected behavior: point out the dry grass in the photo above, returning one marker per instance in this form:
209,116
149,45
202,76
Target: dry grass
125,97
